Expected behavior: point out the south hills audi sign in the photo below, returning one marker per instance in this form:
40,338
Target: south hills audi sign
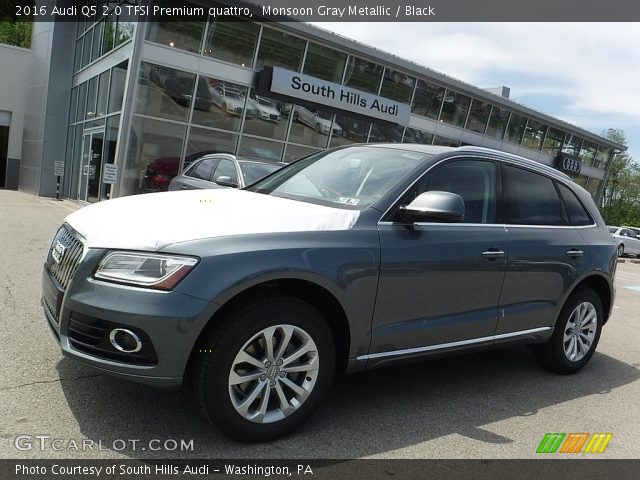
322,92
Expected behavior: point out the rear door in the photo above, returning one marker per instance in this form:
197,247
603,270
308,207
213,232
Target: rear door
440,283
197,176
545,250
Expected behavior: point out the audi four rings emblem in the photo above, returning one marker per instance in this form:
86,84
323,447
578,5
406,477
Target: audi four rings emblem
571,164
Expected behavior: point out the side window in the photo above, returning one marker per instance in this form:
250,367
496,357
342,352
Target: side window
530,198
576,213
202,169
473,180
226,168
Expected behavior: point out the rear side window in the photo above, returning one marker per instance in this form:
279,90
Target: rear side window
203,169
530,198
576,213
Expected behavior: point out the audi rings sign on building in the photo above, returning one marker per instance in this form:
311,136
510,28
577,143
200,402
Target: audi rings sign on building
568,163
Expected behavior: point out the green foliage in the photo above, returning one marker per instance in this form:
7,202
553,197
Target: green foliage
620,203
16,33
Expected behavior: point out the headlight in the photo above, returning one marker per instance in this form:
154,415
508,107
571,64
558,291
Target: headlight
162,272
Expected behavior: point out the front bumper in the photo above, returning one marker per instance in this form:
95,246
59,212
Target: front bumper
170,321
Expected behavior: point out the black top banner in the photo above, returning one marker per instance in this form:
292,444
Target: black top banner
328,10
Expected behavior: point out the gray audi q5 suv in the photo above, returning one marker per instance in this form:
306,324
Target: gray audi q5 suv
349,259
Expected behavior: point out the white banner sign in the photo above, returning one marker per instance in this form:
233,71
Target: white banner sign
305,87
58,168
109,173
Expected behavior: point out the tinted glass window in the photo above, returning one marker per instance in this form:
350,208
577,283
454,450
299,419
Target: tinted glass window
575,211
473,180
252,172
280,49
515,128
427,100
203,169
454,108
325,63
226,168
232,42
530,198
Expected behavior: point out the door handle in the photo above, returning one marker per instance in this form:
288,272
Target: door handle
493,253
574,253
183,187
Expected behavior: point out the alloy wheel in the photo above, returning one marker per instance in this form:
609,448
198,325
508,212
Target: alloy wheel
580,331
273,373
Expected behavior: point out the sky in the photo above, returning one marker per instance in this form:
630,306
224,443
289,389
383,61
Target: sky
587,74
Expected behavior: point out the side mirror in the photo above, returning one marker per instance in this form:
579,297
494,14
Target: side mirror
225,181
434,206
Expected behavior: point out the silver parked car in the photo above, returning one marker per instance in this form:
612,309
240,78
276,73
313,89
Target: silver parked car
222,170
628,241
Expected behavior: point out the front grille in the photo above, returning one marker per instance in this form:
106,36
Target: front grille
64,268
273,116
91,335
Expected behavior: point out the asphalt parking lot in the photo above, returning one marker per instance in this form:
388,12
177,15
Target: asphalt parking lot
490,405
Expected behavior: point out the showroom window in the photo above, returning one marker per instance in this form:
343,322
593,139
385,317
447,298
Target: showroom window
325,63
397,86
445,142
103,93
602,157
260,149
572,144
266,117
455,108
413,135
588,152
478,116
350,130
164,92
498,121
233,42
220,104
280,49
116,89
593,186
382,132
311,126
363,75
515,128
427,100
153,157
181,35
203,140
296,152
553,141
534,135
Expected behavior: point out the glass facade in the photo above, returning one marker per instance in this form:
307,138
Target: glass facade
178,113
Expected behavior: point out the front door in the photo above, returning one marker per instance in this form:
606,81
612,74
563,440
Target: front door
91,168
440,283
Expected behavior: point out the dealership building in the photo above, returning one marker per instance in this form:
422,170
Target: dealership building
118,107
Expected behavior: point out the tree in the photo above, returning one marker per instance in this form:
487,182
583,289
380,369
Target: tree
620,203
15,33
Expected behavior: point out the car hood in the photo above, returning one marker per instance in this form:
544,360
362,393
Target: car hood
269,110
156,220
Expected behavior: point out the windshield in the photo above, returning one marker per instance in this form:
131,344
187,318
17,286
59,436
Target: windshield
352,177
252,172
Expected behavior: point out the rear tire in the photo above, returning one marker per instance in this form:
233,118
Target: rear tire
576,334
253,391
620,250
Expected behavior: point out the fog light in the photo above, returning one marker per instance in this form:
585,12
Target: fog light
125,340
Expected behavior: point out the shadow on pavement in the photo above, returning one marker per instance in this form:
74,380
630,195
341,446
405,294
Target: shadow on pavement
365,414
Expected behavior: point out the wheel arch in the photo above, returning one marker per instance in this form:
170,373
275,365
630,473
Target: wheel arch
310,292
601,286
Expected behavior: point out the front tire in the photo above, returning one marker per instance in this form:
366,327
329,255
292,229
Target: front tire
576,333
620,250
263,372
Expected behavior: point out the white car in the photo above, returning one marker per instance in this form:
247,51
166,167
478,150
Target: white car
229,99
628,240
266,109
315,121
